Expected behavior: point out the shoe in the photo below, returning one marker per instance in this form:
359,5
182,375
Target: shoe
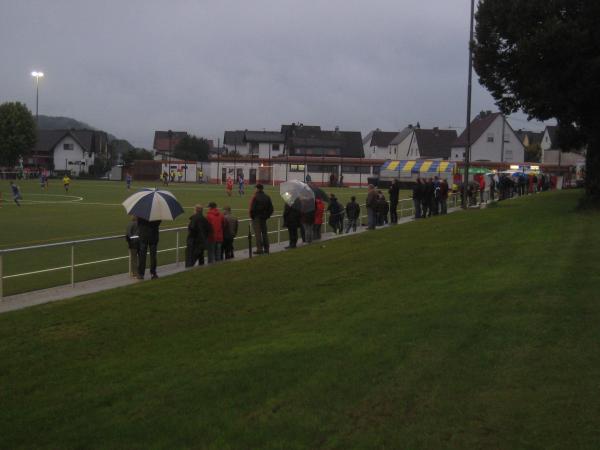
154,277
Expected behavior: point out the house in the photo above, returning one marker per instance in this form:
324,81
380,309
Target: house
73,151
377,144
164,144
552,153
421,143
294,140
263,144
492,139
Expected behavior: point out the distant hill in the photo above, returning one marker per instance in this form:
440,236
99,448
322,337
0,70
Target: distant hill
65,123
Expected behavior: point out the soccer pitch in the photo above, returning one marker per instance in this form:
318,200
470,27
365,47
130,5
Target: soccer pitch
92,208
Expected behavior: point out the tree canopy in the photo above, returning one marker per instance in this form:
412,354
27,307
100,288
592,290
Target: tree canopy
17,133
135,154
192,148
543,56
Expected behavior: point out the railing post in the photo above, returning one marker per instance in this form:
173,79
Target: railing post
1,278
279,230
72,265
249,242
177,248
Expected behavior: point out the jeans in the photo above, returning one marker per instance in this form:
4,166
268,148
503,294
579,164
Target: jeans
214,252
308,232
227,249
444,206
371,218
261,235
193,253
144,246
351,223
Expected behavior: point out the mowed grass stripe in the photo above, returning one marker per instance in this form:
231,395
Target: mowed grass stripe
474,330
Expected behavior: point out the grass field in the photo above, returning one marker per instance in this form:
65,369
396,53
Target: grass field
474,330
93,209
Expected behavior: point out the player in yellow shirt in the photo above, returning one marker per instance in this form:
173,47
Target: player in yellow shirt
66,182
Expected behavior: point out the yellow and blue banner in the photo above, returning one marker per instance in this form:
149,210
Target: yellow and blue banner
419,166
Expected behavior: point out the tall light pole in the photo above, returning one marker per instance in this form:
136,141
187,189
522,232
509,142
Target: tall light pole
37,75
469,89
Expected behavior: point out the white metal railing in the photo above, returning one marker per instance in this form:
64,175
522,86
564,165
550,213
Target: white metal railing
405,207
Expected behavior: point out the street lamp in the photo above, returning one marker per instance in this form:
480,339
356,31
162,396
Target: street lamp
37,75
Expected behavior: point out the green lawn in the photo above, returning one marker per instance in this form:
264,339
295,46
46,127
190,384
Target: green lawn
93,209
474,330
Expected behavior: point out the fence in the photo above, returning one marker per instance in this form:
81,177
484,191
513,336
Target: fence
75,262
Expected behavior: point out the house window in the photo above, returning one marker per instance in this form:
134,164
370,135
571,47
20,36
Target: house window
506,138
356,169
296,167
318,168
275,147
508,154
68,146
490,137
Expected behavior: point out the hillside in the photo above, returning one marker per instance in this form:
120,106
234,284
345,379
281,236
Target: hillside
60,123
474,330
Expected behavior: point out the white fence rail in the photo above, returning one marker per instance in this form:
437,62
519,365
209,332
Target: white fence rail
405,208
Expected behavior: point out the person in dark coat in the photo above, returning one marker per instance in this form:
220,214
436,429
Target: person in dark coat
394,192
444,189
261,208
417,193
336,215
352,214
198,231
229,233
291,220
307,222
382,209
426,201
148,233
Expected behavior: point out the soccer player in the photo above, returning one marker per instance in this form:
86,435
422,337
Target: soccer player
66,182
229,186
241,184
128,180
16,193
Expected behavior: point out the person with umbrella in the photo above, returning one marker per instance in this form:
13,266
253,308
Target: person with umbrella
291,219
151,206
299,196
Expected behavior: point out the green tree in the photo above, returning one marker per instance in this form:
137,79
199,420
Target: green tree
192,148
17,133
136,154
543,56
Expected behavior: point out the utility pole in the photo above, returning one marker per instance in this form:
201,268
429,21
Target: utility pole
469,90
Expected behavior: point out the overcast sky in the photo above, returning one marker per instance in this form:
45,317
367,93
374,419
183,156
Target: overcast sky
130,67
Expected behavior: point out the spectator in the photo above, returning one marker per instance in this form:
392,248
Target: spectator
291,220
436,196
215,237
382,209
427,198
318,221
336,215
394,192
229,233
371,207
16,193
352,214
307,219
417,193
148,231
261,208
481,188
198,231
444,189
133,243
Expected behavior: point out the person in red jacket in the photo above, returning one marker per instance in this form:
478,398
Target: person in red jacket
215,237
318,224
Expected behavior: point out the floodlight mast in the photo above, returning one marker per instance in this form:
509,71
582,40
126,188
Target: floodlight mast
468,130
37,75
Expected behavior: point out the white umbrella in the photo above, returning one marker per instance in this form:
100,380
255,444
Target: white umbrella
152,204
